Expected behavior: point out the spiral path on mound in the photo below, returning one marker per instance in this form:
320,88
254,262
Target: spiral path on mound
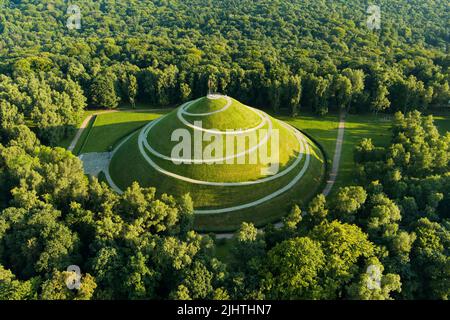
145,149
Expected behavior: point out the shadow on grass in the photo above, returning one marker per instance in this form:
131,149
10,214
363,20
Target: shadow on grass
103,138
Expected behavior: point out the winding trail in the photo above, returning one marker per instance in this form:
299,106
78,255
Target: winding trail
79,133
329,186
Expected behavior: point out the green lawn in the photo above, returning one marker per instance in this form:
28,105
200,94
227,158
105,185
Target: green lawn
206,197
358,127
324,130
109,128
443,123
160,139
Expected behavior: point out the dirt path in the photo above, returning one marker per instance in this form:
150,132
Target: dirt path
83,126
337,156
330,183
79,133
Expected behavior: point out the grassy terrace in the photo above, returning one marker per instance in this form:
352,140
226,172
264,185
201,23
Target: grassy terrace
260,215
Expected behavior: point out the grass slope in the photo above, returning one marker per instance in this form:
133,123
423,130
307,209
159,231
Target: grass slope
237,116
443,123
160,139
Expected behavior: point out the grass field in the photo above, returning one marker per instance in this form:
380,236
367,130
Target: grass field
357,127
160,139
379,129
109,128
322,129
260,215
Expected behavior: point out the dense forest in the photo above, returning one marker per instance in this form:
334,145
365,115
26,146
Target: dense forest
280,55
317,55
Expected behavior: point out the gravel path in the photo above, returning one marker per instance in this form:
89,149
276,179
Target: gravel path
304,151
337,156
79,133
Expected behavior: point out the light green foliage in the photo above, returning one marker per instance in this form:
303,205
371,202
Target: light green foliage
293,270
348,201
431,249
317,209
56,287
14,289
35,241
343,245
372,286
140,245
384,216
293,219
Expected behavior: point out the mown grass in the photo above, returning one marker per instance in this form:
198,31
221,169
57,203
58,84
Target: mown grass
357,127
111,127
322,129
443,123
207,197
160,139
237,116
272,211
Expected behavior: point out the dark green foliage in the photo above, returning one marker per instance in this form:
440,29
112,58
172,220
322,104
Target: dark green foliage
291,55
409,220
283,55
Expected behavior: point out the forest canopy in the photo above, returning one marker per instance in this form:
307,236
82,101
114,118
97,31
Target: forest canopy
286,56
294,55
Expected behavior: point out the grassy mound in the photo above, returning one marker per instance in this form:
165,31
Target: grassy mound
300,174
